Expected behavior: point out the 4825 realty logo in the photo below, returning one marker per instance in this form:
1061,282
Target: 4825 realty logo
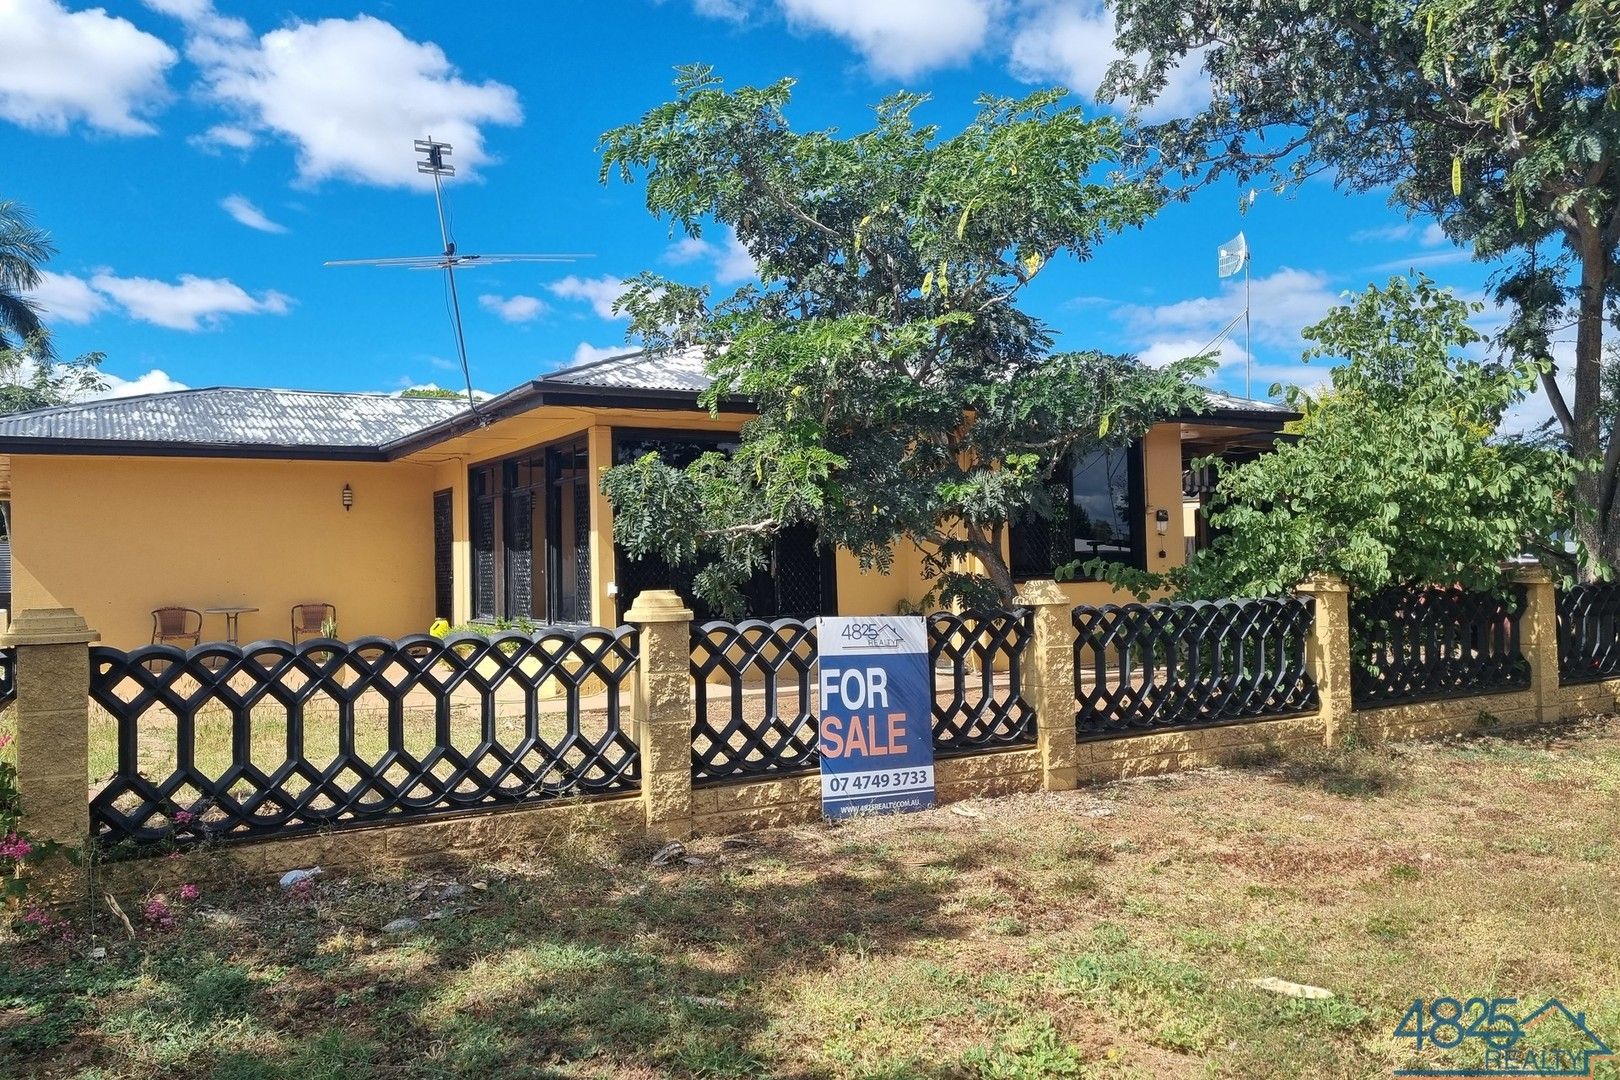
1498,1037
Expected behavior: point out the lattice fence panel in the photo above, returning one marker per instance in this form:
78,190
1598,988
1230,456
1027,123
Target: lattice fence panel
755,706
223,742
978,663
1190,663
1413,643
1589,633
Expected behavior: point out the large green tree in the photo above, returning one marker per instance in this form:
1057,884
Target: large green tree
902,392
1498,118
24,247
1394,475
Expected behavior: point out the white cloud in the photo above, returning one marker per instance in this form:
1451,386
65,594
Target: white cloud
66,298
1163,352
193,303
731,259
1282,304
155,381
227,136
1385,234
736,11
58,68
1433,235
1073,44
600,292
900,38
585,352
1417,262
349,94
513,309
245,213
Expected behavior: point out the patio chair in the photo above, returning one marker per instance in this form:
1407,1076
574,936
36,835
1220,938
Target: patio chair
308,619
176,624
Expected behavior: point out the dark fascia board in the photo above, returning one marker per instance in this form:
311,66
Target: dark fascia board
534,395
1259,419
116,448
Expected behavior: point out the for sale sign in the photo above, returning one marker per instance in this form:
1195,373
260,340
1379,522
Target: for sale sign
877,734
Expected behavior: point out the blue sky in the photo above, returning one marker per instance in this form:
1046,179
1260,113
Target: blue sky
197,165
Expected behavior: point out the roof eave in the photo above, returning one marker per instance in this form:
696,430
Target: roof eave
23,446
540,393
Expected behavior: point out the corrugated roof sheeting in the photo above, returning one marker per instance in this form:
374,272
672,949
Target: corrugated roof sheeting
236,415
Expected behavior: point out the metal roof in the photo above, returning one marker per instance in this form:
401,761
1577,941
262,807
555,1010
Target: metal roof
683,369
678,369
239,418
229,421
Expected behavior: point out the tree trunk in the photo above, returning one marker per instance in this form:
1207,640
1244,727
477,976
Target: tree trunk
1599,531
987,549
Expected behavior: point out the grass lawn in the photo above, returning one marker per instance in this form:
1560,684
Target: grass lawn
1100,933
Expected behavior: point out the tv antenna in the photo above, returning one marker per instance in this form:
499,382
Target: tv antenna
450,260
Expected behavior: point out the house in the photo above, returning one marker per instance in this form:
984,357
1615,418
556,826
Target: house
400,510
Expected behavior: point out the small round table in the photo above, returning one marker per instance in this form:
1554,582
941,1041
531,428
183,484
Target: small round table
232,614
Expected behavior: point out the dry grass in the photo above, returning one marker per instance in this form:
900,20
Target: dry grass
1099,933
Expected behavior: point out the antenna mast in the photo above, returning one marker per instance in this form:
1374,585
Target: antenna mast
434,164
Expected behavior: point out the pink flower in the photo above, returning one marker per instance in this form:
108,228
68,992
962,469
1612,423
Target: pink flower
15,847
5,741
183,817
189,892
157,913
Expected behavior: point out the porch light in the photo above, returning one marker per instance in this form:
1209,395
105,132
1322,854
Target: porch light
1161,518
348,498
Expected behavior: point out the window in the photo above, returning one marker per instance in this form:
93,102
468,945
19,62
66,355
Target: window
531,536
1098,513
800,581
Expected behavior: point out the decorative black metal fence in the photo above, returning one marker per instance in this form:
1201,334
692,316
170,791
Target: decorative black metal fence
225,742
756,698
755,709
1190,663
1412,643
8,677
1589,633
978,656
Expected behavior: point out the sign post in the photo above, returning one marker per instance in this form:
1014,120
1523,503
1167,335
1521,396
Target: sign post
877,730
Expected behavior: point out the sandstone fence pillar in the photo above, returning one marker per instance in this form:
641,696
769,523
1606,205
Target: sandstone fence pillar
53,727
1538,639
662,708
1328,651
1049,682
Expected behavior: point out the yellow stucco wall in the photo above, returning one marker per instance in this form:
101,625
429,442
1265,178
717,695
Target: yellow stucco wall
116,537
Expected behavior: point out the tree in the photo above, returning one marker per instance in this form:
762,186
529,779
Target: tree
901,392
1499,118
23,247
1396,475
30,381
430,392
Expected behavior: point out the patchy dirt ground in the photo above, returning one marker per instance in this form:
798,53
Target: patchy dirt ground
1107,932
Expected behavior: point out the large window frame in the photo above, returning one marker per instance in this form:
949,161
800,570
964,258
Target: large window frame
513,563
1038,546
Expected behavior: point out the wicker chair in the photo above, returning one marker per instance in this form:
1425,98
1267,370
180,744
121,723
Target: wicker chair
176,624
308,619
